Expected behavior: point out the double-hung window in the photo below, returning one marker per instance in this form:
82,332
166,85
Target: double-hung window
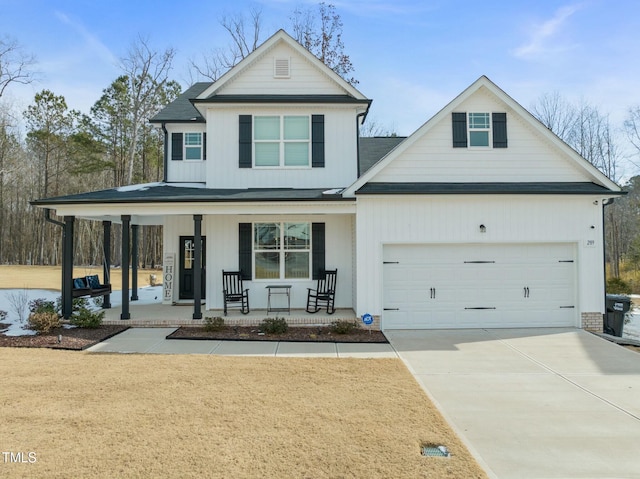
479,129
193,146
282,141
282,250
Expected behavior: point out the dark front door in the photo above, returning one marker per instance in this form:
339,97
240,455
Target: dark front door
187,266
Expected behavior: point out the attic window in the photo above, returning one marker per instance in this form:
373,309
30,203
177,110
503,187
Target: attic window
282,68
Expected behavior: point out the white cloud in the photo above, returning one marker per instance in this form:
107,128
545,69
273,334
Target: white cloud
541,34
92,42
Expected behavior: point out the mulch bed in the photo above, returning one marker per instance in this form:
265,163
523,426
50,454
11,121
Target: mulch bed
307,334
75,339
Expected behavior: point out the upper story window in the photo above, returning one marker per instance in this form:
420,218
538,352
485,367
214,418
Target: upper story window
281,141
479,129
476,129
193,146
190,146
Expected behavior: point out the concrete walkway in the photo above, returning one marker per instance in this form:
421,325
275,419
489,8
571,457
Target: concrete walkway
533,403
153,341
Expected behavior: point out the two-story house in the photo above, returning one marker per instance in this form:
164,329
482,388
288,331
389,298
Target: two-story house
481,218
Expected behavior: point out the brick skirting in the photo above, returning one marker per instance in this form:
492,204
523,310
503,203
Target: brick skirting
592,322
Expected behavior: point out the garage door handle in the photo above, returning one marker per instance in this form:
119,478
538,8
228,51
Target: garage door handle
391,309
481,307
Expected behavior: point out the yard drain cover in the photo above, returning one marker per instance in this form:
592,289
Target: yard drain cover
435,451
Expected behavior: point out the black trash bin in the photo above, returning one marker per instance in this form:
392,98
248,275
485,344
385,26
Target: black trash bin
617,306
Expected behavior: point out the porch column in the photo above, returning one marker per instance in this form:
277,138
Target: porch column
106,267
67,267
126,220
197,267
134,262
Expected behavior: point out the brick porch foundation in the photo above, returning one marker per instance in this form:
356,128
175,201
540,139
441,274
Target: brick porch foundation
593,322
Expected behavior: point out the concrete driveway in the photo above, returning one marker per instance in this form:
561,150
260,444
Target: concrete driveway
533,403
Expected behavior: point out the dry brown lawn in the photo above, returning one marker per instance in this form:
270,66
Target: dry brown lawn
50,277
89,415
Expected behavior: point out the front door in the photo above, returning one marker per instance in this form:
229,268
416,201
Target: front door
187,266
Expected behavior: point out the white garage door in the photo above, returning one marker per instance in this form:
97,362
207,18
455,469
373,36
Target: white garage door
478,286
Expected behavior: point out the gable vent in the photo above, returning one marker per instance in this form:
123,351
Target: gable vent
282,68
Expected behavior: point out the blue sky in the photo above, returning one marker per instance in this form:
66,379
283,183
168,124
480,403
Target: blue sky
411,57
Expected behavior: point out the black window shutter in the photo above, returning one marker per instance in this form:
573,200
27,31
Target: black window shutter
246,138
499,130
317,141
317,249
459,122
245,251
204,146
176,146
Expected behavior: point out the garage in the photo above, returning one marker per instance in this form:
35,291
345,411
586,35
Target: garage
479,286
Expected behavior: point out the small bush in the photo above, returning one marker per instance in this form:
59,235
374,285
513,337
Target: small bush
214,324
343,326
3,315
85,318
274,325
41,305
618,286
43,321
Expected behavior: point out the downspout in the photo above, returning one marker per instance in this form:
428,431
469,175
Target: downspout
605,202
165,152
363,114
48,219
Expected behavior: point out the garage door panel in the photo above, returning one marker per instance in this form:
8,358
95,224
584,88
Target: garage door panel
462,286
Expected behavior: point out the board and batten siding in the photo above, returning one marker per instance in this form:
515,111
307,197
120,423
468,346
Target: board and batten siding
340,167
528,156
444,219
185,171
221,232
258,78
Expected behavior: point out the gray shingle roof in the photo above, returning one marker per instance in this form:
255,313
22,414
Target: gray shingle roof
181,109
372,149
166,192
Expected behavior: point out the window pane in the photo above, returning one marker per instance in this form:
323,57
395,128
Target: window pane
266,235
479,138
192,153
478,120
267,154
267,265
267,128
296,236
296,127
296,154
296,265
188,254
194,139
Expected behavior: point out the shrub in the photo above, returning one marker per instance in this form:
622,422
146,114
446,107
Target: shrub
85,318
3,315
214,324
76,305
43,321
41,305
343,326
274,325
618,286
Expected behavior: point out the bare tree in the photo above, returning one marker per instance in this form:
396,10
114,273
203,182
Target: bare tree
555,113
245,38
15,64
147,72
321,33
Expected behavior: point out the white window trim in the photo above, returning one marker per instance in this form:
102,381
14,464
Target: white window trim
281,251
282,142
488,130
185,146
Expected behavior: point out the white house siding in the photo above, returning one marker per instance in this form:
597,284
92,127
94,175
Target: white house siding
221,232
528,156
185,171
258,77
340,168
455,220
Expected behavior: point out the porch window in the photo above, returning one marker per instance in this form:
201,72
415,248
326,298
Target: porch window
282,250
